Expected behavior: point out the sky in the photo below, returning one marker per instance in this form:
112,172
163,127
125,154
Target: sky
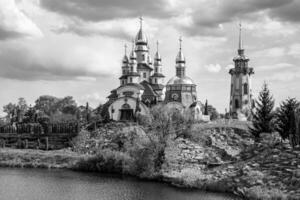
75,47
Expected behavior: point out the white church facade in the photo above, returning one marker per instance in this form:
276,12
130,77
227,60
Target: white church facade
142,85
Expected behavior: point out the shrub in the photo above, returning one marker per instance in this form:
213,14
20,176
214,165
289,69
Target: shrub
107,161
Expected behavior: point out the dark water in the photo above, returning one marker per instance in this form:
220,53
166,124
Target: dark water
41,184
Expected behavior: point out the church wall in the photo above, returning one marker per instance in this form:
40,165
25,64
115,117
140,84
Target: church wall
114,108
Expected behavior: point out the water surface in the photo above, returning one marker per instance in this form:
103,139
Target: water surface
42,184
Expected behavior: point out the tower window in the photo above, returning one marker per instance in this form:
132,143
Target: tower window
156,69
130,80
144,75
155,80
245,88
131,69
124,72
143,57
237,104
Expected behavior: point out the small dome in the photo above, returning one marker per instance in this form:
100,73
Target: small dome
149,59
181,81
141,37
132,55
180,57
157,56
125,59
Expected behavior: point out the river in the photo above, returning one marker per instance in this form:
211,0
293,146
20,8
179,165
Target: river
42,184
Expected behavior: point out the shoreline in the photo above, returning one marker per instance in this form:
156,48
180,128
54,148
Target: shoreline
66,160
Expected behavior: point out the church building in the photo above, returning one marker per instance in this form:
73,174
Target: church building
241,101
142,84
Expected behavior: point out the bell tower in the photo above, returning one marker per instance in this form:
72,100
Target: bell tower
241,101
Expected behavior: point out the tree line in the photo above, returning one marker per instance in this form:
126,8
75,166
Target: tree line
284,119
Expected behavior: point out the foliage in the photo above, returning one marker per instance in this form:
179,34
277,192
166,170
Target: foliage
106,161
162,124
206,108
263,114
50,104
16,111
285,118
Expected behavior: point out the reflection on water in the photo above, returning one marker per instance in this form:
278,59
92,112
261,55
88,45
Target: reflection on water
41,184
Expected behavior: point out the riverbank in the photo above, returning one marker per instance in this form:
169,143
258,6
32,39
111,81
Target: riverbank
215,159
29,158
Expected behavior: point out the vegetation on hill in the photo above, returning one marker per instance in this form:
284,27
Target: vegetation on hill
263,114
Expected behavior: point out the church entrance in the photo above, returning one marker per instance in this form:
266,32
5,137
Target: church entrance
126,113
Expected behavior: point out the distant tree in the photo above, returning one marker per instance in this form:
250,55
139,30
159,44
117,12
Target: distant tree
206,108
285,123
46,104
17,111
9,109
263,113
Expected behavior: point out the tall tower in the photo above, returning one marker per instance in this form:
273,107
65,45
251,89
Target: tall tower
241,90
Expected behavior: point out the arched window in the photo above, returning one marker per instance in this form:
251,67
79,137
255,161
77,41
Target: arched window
245,88
237,104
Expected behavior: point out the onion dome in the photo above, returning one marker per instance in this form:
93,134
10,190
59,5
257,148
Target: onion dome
180,57
181,81
125,59
149,59
157,56
132,53
141,37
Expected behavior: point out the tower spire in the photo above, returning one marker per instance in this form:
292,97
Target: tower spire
141,21
240,36
180,42
157,44
125,48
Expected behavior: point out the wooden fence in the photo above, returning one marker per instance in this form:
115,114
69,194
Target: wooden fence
37,136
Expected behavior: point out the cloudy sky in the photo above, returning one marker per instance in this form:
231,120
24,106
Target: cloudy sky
75,47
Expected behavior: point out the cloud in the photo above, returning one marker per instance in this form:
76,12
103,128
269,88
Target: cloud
122,29
274,67
33,64
288,12
14,23
285,76
213,68
91,10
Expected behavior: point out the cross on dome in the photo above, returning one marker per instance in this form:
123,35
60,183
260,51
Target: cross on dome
180,42
141,21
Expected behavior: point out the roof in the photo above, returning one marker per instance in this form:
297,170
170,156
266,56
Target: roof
157,86
148,89
144,66
123,76
158,75
133,74
181,81
113,94
133,84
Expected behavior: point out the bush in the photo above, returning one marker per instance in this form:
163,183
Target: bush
107,161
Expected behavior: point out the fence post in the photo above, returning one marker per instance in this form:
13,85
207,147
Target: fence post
47,143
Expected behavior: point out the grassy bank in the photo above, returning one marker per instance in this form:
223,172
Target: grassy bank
38,158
